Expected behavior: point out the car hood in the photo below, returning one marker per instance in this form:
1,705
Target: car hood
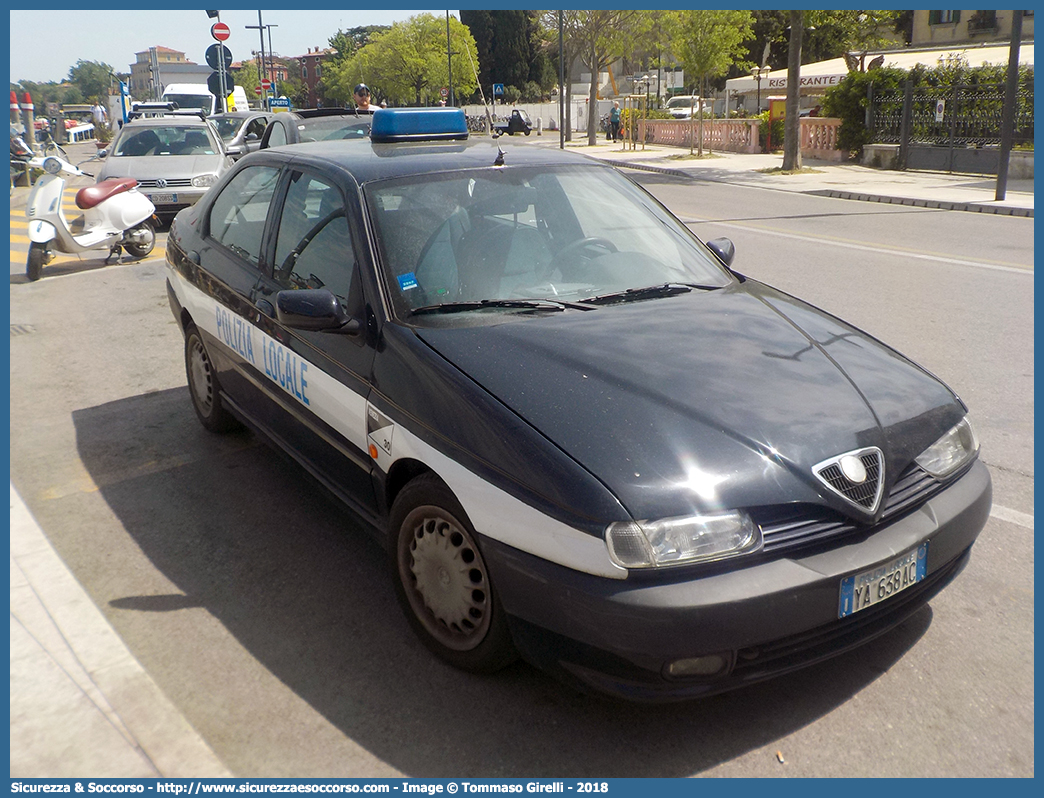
708,400
166,166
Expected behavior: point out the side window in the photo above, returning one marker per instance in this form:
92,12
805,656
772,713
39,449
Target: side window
314,247
237,217
278,136
257,127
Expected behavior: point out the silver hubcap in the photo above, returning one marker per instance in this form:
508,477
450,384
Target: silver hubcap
445,579
199,369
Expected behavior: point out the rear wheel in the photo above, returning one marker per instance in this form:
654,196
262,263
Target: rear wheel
141,240
204,386
35,262
442,580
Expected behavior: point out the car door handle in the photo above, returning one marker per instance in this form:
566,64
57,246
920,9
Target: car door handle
265,307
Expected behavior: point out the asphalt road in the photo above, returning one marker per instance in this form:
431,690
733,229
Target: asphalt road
262,612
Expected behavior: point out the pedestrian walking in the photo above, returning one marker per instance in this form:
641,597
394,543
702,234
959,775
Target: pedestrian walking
614,122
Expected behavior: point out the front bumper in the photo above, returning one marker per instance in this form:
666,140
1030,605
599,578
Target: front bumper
766,619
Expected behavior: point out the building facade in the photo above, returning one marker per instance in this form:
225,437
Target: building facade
158,66
312,65
966,27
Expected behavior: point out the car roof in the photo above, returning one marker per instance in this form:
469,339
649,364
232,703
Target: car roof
238,114
190,120
365,160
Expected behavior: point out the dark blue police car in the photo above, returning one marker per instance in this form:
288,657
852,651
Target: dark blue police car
583,437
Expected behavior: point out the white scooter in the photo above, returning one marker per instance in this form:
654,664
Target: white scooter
115,215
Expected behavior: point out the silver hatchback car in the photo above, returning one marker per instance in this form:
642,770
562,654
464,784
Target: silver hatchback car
175,159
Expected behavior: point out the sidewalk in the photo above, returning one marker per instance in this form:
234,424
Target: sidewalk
81,705
975,193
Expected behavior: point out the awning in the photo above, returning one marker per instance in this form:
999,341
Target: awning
817,78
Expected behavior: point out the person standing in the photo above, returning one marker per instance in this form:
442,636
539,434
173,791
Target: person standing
614,122
98,114
361,95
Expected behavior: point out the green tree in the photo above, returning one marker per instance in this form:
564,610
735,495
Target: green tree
348,43
707,43
91,77
407,64
599,38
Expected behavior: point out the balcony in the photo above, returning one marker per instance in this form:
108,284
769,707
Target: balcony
983,23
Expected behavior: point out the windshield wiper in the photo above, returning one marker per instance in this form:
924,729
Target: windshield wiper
649,292
524,304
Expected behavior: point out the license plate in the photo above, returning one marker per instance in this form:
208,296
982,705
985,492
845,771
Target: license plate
163,198
870,587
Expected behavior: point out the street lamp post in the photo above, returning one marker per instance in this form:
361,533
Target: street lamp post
758,73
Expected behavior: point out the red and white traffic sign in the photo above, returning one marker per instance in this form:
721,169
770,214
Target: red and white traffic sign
266,84
444,92
220,31
257,91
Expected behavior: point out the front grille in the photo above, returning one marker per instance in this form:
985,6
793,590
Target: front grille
864,493
787,529
172,182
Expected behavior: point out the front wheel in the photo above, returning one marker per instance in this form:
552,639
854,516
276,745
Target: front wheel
204,386
35,262
442,580
140,240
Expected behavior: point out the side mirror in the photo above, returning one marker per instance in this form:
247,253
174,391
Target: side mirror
723,248
235,151
314,309
251,136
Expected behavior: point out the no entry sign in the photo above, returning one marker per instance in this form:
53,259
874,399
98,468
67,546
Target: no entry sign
220,31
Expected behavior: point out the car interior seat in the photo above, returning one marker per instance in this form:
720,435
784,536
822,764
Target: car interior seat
142,143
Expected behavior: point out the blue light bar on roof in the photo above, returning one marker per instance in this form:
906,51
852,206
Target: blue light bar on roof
418,124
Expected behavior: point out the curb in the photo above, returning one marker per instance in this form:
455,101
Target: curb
944,205
80,701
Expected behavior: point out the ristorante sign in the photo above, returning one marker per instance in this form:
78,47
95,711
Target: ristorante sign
806,82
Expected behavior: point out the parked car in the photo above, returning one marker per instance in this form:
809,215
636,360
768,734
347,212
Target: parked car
582,435
315,124
175,159
517,122
683,106
241,131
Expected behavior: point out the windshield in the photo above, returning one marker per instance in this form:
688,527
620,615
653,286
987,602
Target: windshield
563,234
203,102
333,128
165,140
681,102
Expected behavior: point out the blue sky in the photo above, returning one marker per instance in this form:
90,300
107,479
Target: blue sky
113,37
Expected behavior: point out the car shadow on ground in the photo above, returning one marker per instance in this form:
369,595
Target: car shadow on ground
246,535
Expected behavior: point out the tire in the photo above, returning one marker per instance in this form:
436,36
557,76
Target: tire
142,250
204,387
442,581
35,262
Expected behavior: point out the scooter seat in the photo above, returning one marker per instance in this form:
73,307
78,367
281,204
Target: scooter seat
89,196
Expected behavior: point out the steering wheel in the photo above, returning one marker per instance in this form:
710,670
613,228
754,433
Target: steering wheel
576,246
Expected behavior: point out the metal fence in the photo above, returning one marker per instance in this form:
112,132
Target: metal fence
961,116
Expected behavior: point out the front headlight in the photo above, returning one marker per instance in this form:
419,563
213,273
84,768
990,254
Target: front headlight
951,451
681,541
204,181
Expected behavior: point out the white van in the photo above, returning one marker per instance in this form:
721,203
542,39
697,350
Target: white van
196,96
684,106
